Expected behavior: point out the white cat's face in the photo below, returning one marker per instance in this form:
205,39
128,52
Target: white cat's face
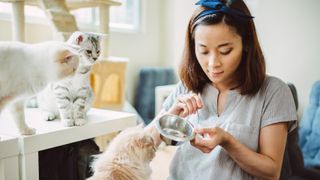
91,48
89,44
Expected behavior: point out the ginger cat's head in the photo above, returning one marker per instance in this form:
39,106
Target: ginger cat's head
127,157
65,60
135,142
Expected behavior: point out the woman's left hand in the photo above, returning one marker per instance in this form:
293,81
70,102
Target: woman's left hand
208,138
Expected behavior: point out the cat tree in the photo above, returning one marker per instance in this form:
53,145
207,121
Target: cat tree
108,75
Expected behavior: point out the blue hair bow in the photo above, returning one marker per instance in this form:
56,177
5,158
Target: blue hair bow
216,6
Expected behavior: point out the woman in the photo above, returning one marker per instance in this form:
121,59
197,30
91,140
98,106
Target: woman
243,114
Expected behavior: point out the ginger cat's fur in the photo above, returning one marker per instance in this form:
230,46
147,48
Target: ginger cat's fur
128,157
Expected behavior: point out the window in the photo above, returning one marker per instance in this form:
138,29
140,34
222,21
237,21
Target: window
32,13
85,16
124,17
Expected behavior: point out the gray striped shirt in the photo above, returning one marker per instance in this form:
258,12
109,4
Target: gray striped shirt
243,117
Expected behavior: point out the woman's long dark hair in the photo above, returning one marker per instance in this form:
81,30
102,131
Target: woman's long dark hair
251,72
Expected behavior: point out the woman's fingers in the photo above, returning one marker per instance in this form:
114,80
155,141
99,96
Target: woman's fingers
201,148
198,100
201,145
188,103
210,137
192,103
205,130
184,109
205,150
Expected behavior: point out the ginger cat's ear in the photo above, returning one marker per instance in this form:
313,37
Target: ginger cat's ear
69,56
143,140
67,62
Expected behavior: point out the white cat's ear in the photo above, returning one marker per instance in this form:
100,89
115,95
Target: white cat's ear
99,35
102,36
76,38
79,39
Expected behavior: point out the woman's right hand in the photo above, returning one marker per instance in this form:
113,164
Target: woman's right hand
186,104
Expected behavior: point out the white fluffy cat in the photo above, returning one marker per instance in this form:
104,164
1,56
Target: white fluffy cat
25,69
71,98
127,157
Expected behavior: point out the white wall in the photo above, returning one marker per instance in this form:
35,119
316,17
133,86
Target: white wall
289,34
288,31
142,48
176,14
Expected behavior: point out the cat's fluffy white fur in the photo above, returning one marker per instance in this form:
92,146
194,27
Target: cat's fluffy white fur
127,157
27,68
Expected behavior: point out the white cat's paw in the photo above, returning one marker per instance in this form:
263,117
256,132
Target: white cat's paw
28,131
48,116
80,122
67,122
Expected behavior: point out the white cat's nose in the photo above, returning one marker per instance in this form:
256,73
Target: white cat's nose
94,58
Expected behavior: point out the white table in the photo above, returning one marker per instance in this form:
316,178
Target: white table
9,152
52,134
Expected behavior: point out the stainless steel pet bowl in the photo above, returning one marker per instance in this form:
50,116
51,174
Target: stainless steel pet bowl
174,130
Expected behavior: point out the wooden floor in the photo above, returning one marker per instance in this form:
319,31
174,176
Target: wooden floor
160,164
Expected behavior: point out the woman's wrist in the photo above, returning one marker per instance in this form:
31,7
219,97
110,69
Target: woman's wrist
226,140
172,110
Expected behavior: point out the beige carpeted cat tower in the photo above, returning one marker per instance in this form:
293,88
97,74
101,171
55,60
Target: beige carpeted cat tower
108,75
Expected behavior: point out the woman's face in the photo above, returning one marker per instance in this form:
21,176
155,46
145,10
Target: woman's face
219,51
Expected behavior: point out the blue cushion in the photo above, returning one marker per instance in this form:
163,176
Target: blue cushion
310,129
149,78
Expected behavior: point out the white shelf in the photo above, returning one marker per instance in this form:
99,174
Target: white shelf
52,134
9,152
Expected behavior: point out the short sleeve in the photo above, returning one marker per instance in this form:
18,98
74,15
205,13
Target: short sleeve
180,89
279,104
